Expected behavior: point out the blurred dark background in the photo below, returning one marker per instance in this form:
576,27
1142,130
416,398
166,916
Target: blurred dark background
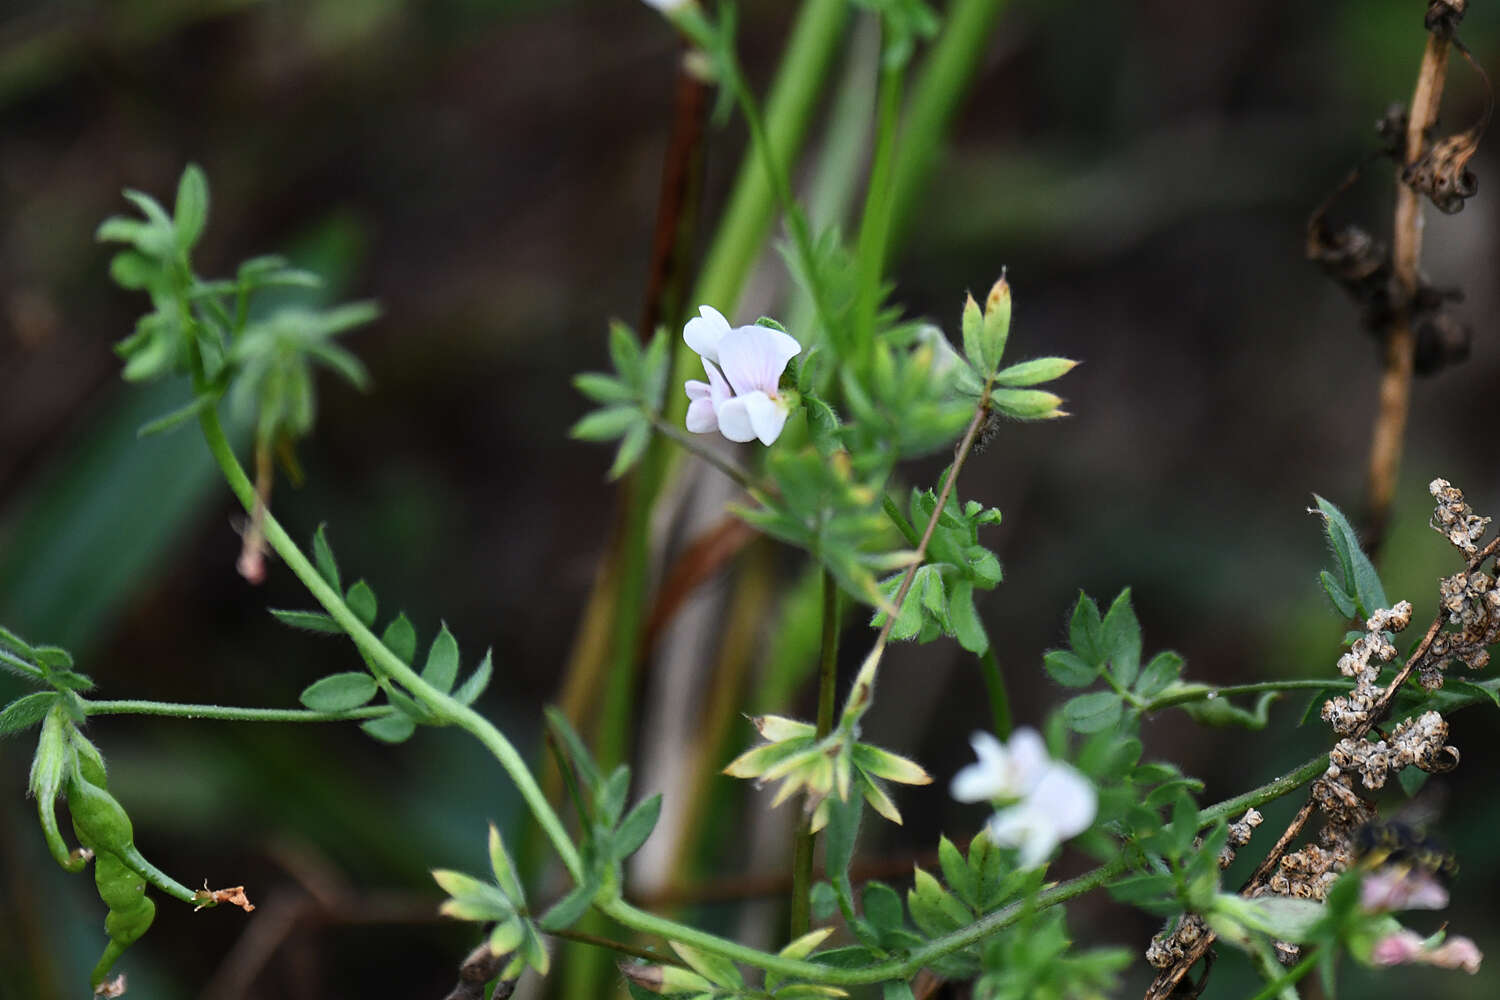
488,172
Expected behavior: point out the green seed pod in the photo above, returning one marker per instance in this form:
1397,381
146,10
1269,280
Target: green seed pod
120,887
126,926
100,822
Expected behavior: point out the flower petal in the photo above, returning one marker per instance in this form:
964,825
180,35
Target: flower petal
1028,758
988,779
696,390
767,416
734,420
701,417
704,332
1397,889
1066,798
1025,827
753,357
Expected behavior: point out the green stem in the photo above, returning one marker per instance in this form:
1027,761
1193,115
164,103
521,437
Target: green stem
229,713
444,707
875,224
862,692
817,972
793,95
994,681
1204,692
692,444
1274,789
1291,976
940,86
828,658
781,187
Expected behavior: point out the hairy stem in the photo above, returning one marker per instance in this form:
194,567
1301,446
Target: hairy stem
879,972
228,713
1204,692
444,707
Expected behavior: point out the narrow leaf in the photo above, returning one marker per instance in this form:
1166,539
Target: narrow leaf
26,711
471,689
312,621
328,567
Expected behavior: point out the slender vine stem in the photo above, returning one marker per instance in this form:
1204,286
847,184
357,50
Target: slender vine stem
863,690
802,848
725,465
657,957
879,972
1203,692
445,708
875,222
994,682
781,186
229,713
1291,975
1273,789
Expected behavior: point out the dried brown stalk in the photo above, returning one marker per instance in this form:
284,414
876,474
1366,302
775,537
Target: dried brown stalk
1400,345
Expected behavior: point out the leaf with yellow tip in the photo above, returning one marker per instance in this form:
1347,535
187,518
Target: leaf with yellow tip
879,801
890,766
806,944
777,728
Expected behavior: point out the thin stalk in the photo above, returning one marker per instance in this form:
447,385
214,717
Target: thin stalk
594,940
802,848
875,222
862,693
793,95
1406,255
994,682
441,705
228,713
939,88
1274,789
1291,975
879,972
781,186
724,464
1205,692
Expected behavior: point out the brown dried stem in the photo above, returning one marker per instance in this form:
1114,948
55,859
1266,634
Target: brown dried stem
1400,345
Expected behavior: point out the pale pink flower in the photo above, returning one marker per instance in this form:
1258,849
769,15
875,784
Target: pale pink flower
1392,888
741,398
1408,947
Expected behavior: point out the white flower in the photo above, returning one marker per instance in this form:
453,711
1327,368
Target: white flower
741,398
667,6
1042,801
